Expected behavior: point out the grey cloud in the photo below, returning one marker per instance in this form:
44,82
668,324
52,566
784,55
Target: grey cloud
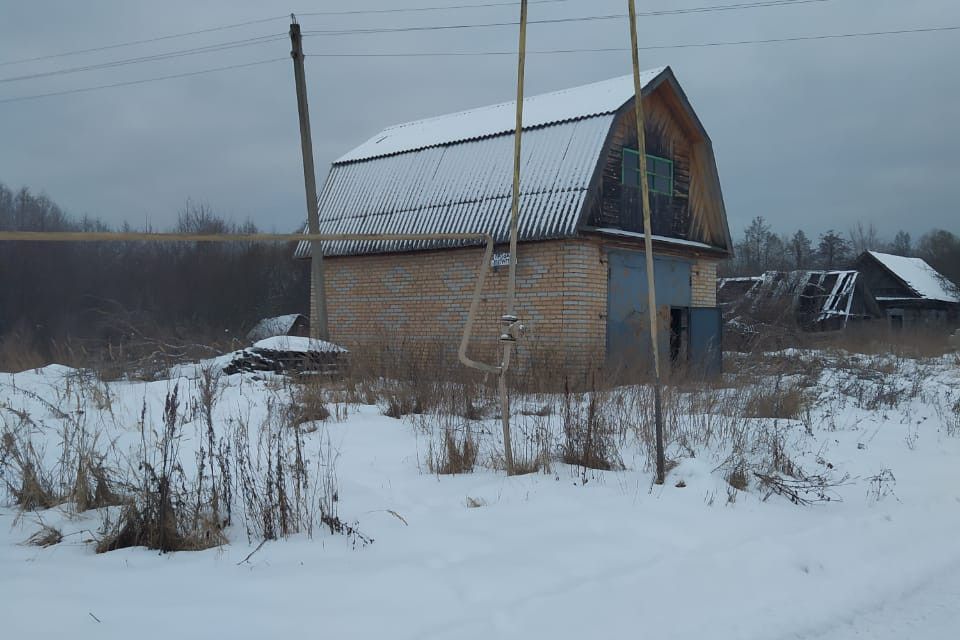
813,135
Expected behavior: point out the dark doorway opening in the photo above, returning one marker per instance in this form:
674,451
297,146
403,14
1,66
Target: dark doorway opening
679,325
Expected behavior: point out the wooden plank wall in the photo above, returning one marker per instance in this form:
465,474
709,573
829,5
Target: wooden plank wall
695,211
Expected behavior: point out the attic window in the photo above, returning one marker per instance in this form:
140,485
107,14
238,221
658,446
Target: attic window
659,172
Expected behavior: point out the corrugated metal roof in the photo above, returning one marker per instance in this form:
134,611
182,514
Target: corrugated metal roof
453,174
464,188
584,101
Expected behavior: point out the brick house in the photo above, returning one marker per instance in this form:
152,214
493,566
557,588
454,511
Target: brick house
581,289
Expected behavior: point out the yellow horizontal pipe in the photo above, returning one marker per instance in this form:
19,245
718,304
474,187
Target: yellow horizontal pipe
112,236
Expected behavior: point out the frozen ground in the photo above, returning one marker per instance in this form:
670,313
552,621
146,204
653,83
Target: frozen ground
545,555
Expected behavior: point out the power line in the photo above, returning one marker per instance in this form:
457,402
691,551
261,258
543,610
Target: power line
730,7
864,34
144,41
727,43
612,16
142,81
350,12
152,58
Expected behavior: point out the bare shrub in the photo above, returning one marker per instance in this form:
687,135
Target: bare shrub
457,453
309,401
534,442
737,478
802,491
589,440
779,401
46,536
159,513
18,353
882,485
23,471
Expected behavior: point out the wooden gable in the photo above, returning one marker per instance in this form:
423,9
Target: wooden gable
694,209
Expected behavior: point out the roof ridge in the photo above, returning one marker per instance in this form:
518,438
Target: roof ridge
556,92
596,98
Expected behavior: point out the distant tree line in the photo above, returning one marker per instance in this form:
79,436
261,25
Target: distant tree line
761,249
109,292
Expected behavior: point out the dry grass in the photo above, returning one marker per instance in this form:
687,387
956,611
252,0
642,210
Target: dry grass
18,354
46,536
782,401
456,454
589,437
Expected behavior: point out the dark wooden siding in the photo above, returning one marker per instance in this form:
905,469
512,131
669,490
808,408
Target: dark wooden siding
694,211
878,281
619,205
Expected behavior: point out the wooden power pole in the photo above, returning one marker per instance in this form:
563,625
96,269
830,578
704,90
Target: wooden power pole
647,244
318,294
509,319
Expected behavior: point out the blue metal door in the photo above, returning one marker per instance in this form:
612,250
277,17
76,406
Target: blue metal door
628,333
706,333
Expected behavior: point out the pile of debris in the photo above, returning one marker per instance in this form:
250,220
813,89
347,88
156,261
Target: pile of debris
290,354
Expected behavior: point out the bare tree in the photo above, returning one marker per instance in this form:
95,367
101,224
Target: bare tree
801,250
901,245
834,251
864,238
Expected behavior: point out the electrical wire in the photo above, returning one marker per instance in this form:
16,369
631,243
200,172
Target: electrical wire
691,10
144,41
612,16
863,34
727,43
152,58
142,81
351,12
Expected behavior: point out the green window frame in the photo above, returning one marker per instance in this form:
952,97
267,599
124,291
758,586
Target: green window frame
659,172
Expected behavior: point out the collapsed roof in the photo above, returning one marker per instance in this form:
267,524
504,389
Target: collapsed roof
814,300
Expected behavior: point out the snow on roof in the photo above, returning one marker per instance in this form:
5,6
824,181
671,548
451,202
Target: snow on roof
664,239
813,296
584,101
925,281
276,326
297,343
464,188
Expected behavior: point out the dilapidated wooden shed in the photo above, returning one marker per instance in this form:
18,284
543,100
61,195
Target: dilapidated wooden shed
806,300
910,292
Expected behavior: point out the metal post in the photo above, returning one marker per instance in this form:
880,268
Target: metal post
318,300
647,242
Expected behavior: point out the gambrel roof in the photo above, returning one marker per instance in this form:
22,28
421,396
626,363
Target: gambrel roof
453,173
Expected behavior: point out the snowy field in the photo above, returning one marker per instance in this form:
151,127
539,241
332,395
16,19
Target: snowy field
872,453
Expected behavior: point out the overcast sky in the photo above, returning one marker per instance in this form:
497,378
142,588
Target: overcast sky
809,134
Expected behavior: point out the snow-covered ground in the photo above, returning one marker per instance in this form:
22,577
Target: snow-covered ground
564,554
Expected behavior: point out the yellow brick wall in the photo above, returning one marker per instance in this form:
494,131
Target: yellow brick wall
424,297
703,283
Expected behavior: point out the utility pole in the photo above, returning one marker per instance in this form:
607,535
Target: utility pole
318,293
509,321
647,243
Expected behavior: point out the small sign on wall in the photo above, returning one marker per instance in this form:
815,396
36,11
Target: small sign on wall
500,260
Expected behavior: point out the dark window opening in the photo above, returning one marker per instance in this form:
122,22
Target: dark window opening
679,326
659,172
